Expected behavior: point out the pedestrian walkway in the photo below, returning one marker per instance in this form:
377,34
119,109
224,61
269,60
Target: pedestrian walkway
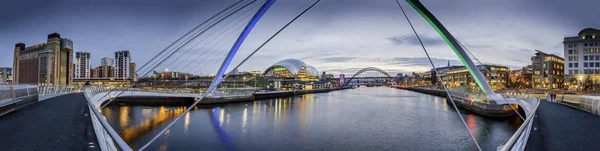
559,127
59,123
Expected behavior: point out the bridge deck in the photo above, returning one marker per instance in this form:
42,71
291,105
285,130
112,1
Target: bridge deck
59,123
559,127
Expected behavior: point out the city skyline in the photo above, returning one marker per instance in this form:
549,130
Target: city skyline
321,37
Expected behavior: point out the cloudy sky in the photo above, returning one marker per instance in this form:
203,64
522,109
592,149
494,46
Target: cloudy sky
337,36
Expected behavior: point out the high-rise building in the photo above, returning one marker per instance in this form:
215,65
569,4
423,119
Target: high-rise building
106,61
122,63
132,72
103,72
582,58
5,76
548,71
44,64
82,65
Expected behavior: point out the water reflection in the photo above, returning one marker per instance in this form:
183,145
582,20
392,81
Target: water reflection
223,136
150,119
359,119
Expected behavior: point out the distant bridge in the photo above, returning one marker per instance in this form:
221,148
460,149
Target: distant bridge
382,78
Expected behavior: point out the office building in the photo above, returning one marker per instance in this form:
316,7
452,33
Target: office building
82,65
122,63
548,71
582,59
49,63
106,61
5,76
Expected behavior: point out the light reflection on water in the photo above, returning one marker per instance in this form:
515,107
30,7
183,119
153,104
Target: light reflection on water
359,119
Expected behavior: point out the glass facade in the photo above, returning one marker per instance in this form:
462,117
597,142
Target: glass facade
292,69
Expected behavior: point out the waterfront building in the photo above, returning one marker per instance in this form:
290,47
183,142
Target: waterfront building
82,65
255,73
106,61
548,71
45,64
122,63
460,78
292,74
6,76
582,59
132,72
292,69
521,78
171,75
103,72
430,78
103,81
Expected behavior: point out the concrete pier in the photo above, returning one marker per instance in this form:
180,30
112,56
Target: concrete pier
182,101
490,110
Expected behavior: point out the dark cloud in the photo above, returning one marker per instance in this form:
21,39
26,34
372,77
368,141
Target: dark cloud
412,40
337,59
517,60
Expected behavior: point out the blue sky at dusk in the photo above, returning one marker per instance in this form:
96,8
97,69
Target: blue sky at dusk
337,36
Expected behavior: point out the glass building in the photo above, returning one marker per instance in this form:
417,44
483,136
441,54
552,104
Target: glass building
292,69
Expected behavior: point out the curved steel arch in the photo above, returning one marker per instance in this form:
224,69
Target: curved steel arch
370,69
365,70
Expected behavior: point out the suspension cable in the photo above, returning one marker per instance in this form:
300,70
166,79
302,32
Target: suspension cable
178,40
440,78
168,56
188,33
271,38
492,76
202,97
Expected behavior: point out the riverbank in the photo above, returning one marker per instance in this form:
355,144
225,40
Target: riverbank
178,101
490,110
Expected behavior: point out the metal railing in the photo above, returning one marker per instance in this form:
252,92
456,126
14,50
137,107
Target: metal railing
586,103
108,138
13,97
518,140
58,89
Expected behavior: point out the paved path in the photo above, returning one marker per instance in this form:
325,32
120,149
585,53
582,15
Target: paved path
561,127
61,123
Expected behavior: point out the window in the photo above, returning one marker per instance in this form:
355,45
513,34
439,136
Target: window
591,57
585,64
591,64
597,57
570,58
585,44
570,51
570,65
597,64
585,58
576,65
576,58
576,71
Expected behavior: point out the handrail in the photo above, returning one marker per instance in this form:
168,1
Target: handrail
114,136
518,135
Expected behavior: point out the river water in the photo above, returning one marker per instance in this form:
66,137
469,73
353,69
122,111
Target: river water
378,118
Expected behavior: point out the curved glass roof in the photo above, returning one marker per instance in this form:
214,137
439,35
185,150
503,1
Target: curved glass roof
294,66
